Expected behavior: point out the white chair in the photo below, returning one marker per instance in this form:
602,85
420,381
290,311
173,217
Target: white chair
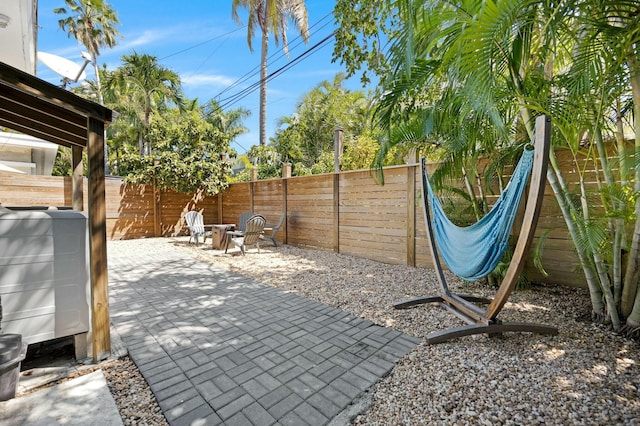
197,228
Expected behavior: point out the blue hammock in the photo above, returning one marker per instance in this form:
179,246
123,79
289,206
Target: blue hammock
472,252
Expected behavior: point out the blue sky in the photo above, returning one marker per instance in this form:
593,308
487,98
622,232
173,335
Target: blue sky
200,41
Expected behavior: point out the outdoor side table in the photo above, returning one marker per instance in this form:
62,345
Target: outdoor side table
219,235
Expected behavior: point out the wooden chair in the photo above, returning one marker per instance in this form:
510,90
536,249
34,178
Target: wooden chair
270,232
197,228
242,222
250,236
485,320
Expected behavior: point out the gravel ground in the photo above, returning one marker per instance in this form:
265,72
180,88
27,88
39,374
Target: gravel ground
584,376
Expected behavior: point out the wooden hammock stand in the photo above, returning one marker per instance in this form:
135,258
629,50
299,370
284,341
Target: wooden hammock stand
478,319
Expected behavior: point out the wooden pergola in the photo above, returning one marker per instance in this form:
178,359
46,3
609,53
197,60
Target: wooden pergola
40,109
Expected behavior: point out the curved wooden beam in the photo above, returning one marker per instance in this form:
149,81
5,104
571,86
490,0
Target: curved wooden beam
537,184
431,242
490,329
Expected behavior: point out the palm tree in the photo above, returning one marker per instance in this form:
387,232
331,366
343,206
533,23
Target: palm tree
228,122
92,23
141,85
271,16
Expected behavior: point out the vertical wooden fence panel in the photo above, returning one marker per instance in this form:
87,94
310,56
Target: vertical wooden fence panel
268,200
129,210
310,211
236,199
173,205
373,218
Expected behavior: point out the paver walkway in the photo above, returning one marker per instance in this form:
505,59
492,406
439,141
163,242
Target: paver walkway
219,348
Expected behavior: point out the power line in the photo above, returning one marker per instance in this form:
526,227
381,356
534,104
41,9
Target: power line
228,101
255,70
201,43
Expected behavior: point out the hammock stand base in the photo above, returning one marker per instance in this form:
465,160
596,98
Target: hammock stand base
475,325
485,320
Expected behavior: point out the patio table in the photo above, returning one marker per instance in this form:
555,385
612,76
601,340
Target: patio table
219,235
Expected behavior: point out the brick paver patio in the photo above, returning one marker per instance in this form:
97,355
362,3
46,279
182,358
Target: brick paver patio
219,348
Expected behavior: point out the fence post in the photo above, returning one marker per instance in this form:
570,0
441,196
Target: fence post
220,210
286,170
411,215
157,225
338,145
285,208
336,212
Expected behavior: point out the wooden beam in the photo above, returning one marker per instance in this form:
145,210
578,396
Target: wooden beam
101,343
431,242
77,198
45,91
285,197
531,215
411,215
336,212
157,215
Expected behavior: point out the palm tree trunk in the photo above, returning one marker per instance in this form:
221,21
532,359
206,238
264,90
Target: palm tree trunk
263,88
630,288
599,264
559,190
615,226
472,194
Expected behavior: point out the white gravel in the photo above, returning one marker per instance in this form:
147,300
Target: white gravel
585,375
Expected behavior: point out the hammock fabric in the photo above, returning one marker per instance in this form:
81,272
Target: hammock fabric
472,252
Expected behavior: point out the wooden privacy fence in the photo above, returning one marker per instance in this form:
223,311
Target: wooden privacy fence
345,212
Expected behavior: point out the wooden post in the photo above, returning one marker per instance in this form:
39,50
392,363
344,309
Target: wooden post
77,199
534,199
251,190
220,209
285,183
411,215
101,343
157,219
336,212
286,170
338,146
254,174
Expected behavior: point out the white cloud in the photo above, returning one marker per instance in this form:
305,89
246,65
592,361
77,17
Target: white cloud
208,79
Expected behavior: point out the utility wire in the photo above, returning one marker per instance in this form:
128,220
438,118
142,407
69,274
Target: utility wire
228,101
255,70
202,42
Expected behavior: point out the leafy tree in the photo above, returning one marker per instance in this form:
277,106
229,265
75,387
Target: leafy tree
359,152
140,87
360,39
187,154
267,160
472,76
270,16
303,138
229,121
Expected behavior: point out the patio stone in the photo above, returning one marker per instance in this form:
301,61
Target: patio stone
219,348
